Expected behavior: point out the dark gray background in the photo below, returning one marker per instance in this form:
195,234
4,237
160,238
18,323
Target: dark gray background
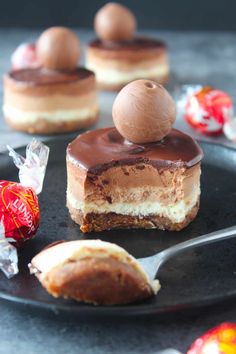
151,14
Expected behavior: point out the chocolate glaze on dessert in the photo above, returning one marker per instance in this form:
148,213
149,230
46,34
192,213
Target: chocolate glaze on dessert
134,44
98,150
42,76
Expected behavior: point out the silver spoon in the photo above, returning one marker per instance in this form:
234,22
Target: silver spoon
152,264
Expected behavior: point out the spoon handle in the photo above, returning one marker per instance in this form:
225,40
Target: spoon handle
198,241
152,264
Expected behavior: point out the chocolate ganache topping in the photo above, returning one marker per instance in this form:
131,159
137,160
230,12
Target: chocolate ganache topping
98,150
135,44
41,76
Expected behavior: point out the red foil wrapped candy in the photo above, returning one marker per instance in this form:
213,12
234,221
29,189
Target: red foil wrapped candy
25,57
19,209
219,340
206,109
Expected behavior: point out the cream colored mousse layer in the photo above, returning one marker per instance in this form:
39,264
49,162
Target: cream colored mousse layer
139,190
21,108
65,252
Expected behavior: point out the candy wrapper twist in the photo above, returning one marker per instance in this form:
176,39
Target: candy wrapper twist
19,208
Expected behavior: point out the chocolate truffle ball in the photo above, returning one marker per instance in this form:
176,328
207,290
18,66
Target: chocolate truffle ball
144,112
58,49
114,22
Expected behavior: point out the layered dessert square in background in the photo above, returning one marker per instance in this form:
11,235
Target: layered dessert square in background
117,56
140,173
56,96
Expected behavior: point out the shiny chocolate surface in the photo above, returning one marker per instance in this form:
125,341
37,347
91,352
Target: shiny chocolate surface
135,44
42,76
101,149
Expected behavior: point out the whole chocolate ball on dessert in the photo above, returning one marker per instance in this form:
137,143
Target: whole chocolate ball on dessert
58,48
143,112
114,22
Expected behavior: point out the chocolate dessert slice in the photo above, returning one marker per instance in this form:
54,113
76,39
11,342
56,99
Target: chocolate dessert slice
117,63
117,56
92,271
48,101
142,173
113,183
57,97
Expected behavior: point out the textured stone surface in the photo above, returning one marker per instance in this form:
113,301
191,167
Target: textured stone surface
207,58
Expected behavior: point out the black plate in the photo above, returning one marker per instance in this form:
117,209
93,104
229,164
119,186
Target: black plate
199,277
